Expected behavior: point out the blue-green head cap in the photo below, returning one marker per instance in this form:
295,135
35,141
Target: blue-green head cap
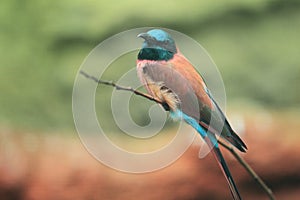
158,39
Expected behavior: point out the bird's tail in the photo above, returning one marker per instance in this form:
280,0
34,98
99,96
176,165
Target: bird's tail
212,143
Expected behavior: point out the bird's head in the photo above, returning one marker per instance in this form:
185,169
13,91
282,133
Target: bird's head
158,45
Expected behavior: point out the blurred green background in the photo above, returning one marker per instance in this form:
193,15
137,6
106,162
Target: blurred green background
255,44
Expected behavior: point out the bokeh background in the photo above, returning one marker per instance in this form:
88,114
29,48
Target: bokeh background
255,45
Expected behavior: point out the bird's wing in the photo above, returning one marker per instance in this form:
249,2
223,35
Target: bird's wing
211,117
181,78
227,132
161,76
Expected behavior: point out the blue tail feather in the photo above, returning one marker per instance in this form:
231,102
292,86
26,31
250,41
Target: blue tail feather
212,142
178,114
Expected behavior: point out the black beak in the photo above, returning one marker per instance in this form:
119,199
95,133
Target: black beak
145,36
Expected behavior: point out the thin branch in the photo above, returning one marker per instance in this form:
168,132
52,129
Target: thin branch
119,87
229,148
249,170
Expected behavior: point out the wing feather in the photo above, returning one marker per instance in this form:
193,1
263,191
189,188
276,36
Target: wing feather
191,94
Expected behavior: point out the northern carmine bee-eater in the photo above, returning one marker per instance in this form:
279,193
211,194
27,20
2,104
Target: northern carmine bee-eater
168,76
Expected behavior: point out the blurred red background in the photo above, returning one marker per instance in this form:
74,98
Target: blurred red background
36,167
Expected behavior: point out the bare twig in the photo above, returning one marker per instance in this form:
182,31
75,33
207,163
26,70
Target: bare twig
119,87
229,148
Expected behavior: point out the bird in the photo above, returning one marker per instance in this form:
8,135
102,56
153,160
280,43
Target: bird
169,76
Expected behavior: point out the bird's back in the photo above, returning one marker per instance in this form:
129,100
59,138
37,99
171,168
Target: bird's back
187,87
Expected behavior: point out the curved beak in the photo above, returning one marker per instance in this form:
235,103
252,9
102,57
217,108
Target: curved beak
145,36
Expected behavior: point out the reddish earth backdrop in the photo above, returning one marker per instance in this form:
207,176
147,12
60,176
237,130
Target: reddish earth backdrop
44,167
